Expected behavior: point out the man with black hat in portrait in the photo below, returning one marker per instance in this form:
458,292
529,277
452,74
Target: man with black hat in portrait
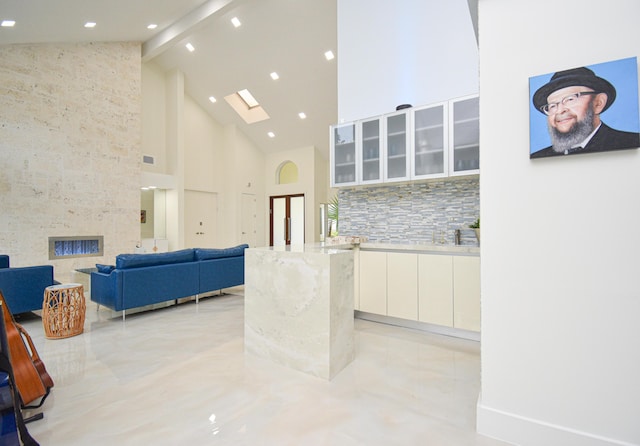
573,101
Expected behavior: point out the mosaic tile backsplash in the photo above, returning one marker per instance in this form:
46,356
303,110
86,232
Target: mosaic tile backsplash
427,212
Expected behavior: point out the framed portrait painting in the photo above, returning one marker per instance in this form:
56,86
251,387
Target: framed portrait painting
585,109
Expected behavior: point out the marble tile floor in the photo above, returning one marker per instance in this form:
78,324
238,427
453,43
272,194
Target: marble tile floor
180,376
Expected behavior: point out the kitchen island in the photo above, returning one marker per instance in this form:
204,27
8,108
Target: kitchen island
299,307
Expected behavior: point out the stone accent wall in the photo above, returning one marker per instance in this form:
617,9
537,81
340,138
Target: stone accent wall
428,212
70,137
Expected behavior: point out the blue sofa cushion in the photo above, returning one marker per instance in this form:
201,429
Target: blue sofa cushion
127,261
4,261
104,269
212,253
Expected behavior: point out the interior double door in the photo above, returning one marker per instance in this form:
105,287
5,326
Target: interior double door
287,220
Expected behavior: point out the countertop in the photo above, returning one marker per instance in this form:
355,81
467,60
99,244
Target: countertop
334,248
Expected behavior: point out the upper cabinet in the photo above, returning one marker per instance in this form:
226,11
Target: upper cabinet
465,134
370,150
430,138
343,155
397,150
433,141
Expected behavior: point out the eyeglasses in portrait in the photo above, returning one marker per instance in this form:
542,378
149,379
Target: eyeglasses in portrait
586,109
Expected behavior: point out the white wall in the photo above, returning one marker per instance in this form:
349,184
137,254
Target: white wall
153,117
560,295
198,153
406,51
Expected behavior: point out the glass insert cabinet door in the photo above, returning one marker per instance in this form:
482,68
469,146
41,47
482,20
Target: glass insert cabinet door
397,158
370,150
466,135
343,142
430,141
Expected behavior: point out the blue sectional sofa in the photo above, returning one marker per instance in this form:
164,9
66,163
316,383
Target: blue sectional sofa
138,280
23,287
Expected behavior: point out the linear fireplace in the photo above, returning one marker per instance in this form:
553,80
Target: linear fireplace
77,246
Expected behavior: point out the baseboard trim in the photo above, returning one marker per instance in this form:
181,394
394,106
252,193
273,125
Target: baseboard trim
524,431
417,325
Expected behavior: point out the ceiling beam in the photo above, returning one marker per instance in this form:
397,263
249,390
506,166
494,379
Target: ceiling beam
186,24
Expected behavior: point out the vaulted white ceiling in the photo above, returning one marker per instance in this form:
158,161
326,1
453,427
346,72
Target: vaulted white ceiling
289,37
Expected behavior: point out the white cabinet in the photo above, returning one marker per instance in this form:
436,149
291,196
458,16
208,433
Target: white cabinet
466,291
373,282
433,141
435,285
464,133
440,289
402,285
370,149
343,155
397,148
430,142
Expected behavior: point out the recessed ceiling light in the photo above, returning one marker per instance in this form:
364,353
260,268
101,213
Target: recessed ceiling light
271,135
302,115
90,25
190,47
329,55
274,76
152,26
248,98
8,23
212,99
236,22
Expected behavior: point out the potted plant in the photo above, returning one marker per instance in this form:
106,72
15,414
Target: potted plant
476,227
332,214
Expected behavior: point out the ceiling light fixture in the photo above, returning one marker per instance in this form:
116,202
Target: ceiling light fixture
190,47
329,55
236,22
8,23
152,26
90,25
248,98
271,135
302,115
212,99
274,76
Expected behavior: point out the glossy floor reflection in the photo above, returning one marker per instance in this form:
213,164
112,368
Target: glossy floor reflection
179,376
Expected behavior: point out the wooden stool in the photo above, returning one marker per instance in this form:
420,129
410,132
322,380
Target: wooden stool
63,310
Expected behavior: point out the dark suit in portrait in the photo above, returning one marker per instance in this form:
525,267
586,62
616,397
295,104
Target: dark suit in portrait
604,139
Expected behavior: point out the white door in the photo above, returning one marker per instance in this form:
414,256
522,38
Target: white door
200,219
248,220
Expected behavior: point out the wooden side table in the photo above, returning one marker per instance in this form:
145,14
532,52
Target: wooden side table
63,310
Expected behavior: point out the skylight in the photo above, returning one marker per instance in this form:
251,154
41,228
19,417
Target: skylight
246,106
248,98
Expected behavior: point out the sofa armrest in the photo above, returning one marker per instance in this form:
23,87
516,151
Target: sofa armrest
23,287
103,290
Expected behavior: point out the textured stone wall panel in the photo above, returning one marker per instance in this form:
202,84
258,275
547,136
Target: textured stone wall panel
427,212
70,139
